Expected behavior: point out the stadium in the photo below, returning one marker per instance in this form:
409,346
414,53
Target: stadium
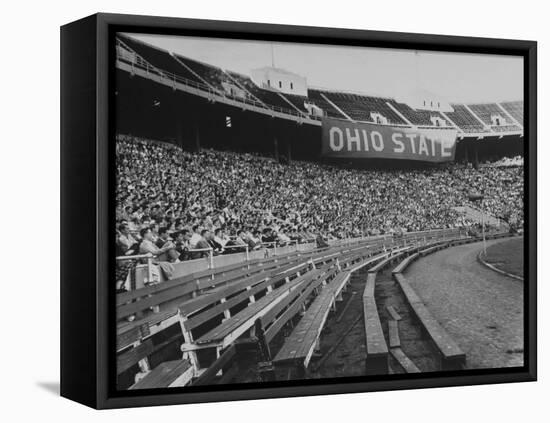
265,231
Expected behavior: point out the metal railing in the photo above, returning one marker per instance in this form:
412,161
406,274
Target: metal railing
150,258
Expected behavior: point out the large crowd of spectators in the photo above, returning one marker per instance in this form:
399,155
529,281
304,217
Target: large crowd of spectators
177,204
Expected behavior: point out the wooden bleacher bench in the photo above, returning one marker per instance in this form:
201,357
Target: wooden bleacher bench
218,302
429,250
213,286
408,291
370,285
333,252
299,346
130,332
385,262
169,290
377,349
296,306
167,375
254,284
156,378
358,259
222,363
369,261
275,319
308,330
185,286
214,307
405,263
140,329
196,277
229,330
452,357
204,276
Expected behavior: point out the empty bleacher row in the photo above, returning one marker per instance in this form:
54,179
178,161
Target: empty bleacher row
515,108
486,113
315,97
419,117
355,106
160,59
505,128
210,310
465,120
270,98
360,107
211,75
298,101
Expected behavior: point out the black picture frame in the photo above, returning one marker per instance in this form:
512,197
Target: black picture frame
86,218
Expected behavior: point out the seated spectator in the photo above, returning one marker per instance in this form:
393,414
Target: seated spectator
163,237
220,237
210,238
269,237
256,239
182,244
196,237
236,242
202,244
127,243
166,253
250,240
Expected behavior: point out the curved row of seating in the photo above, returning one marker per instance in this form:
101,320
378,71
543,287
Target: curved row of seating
213,308
179,293
304,339
217,310
272,312
300,345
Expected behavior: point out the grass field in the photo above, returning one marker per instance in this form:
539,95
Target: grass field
507,256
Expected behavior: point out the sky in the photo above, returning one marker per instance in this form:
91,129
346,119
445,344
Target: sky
456,77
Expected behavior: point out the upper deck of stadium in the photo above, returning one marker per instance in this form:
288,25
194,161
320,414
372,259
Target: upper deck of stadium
479,120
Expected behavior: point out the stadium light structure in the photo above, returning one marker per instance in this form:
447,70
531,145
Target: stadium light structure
475,197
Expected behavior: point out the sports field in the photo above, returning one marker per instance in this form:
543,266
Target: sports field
507,256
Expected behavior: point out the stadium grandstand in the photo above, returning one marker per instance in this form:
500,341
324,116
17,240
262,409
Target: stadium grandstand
497,125
236,236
